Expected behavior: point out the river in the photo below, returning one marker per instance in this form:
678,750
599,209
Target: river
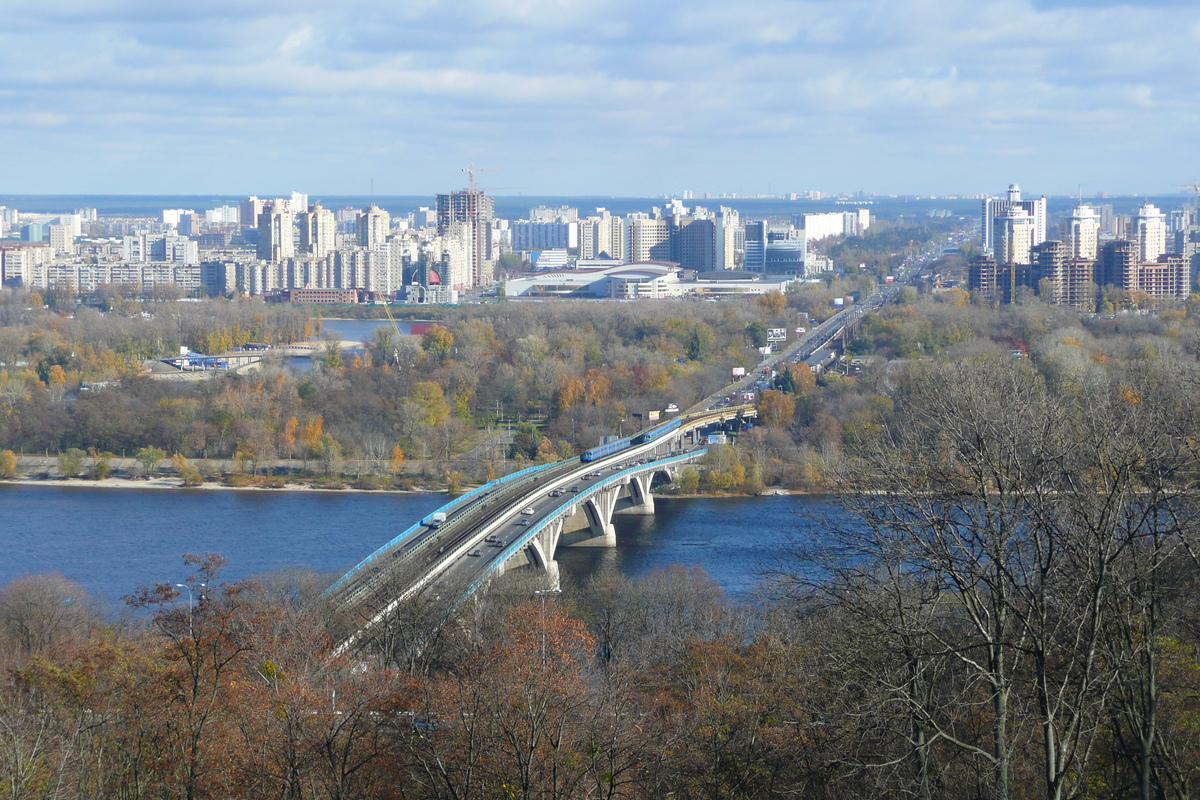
114,540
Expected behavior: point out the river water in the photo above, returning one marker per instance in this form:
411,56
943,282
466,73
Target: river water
114,540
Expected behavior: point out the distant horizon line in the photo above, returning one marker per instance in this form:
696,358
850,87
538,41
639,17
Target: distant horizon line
661,196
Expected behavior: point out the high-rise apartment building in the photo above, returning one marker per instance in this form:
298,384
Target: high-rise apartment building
276,235
602,236
728,239
544,234
373,227
250,210
648,240
1012,236
1082,233
474,209
1149,230
1118,264
993,208
318,231
62,239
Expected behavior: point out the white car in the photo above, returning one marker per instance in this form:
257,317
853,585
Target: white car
527,510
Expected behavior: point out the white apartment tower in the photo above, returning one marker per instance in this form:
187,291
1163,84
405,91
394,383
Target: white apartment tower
602,236
728,238
374,224
1150,233
1012,235
62,239
1082,233
993,208
276,235
318,231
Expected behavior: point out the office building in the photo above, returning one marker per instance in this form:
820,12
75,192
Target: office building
755,247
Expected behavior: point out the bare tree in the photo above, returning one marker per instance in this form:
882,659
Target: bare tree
39,612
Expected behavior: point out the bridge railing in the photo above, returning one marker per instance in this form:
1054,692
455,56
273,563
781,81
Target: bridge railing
520,541
473,495
474,498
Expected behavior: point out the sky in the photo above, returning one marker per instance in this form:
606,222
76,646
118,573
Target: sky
599,97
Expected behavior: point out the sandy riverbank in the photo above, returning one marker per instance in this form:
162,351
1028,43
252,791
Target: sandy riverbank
174,483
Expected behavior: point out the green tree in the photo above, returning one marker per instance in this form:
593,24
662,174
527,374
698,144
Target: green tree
526,440
149,458
101,467
70,462
756,332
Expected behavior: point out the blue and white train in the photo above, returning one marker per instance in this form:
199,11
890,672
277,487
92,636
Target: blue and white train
620,444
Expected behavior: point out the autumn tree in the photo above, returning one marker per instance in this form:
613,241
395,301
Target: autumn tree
776,408
39,612
8,464
437,342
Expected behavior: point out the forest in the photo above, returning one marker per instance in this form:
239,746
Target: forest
486,389
1005,606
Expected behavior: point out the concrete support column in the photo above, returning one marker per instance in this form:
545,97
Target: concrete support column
599,510
639,490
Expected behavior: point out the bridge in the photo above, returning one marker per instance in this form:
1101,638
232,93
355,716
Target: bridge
518,522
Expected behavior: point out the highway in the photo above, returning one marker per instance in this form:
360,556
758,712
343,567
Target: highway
817,338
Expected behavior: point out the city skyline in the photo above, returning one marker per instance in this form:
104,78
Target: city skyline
609,98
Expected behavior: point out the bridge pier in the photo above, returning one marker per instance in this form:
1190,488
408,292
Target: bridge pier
641,500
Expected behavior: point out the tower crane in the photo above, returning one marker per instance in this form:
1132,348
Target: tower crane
1195,187
471,169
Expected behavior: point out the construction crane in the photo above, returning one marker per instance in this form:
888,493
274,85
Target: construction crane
471,169
387,309
1195,187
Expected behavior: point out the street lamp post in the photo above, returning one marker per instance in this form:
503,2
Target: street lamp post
190,604
542,594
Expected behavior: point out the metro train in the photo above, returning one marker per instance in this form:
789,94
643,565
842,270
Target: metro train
620,444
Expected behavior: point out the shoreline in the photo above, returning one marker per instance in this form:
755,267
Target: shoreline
160,484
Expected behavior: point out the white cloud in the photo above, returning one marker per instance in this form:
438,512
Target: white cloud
301,92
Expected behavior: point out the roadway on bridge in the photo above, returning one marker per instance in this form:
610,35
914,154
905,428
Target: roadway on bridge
437,563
